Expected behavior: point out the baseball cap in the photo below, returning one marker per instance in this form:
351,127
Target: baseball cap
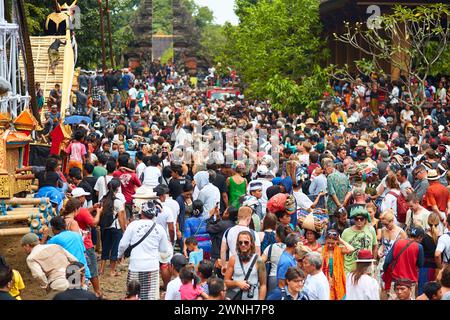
78,192
178,260
29,238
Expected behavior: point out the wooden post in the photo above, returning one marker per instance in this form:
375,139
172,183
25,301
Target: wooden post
16,217
25,201
14,231
102,32
19,211
27,56
108,20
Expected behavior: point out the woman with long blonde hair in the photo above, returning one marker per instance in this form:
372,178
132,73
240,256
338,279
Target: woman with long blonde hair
428,271
389,234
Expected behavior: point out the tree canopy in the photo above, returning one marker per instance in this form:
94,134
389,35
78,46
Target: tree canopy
414,40
277,50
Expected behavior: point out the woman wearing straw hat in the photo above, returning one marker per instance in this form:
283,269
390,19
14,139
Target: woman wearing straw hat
360,285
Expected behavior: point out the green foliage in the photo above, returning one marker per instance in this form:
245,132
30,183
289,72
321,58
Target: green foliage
213,43
414,40
36,12
122,12
89,36
277,51
162,16
167,55
241,7
442,66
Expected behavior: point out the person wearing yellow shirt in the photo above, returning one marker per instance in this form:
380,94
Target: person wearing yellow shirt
17,282
338,117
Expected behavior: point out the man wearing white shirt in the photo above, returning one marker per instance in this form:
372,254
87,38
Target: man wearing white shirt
101,186
132,95
395,93
174,208
167,221
209,194
152,173
140,165
173,287
262,173
316,284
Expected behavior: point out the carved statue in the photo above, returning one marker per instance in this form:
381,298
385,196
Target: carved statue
57,22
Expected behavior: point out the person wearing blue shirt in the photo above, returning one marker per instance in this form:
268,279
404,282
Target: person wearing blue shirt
69,240
196,226
287,259
195,254
293,290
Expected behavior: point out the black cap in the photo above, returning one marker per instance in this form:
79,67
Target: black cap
161,189
416,232
179,260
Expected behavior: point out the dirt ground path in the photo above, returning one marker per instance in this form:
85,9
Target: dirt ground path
113,288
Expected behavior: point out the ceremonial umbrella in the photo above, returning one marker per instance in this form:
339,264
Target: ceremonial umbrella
77,119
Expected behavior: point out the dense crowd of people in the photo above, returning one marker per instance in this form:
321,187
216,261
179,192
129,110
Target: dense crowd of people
232,199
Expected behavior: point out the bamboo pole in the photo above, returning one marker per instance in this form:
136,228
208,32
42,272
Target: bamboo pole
14,231
16,217
26,201
17,211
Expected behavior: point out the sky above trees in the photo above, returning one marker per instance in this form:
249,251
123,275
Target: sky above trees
223,10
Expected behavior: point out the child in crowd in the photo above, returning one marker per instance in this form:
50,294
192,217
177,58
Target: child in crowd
204,272
133,290
76,151
18,284
195,254
189,289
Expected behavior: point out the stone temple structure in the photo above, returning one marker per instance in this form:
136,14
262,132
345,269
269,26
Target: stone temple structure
185,38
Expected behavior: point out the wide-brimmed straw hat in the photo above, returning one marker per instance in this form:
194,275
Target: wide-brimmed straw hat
432,175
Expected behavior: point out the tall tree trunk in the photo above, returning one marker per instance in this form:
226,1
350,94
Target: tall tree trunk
102,32
27,57
111,57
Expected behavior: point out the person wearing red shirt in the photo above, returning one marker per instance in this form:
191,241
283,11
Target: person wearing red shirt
437,197
128,181
88,219
406,257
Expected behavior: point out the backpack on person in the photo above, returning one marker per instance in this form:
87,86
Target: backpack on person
402,206
269,263
269,238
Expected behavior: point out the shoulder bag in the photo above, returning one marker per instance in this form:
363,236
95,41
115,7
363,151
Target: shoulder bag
130,248
387,275
238,295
